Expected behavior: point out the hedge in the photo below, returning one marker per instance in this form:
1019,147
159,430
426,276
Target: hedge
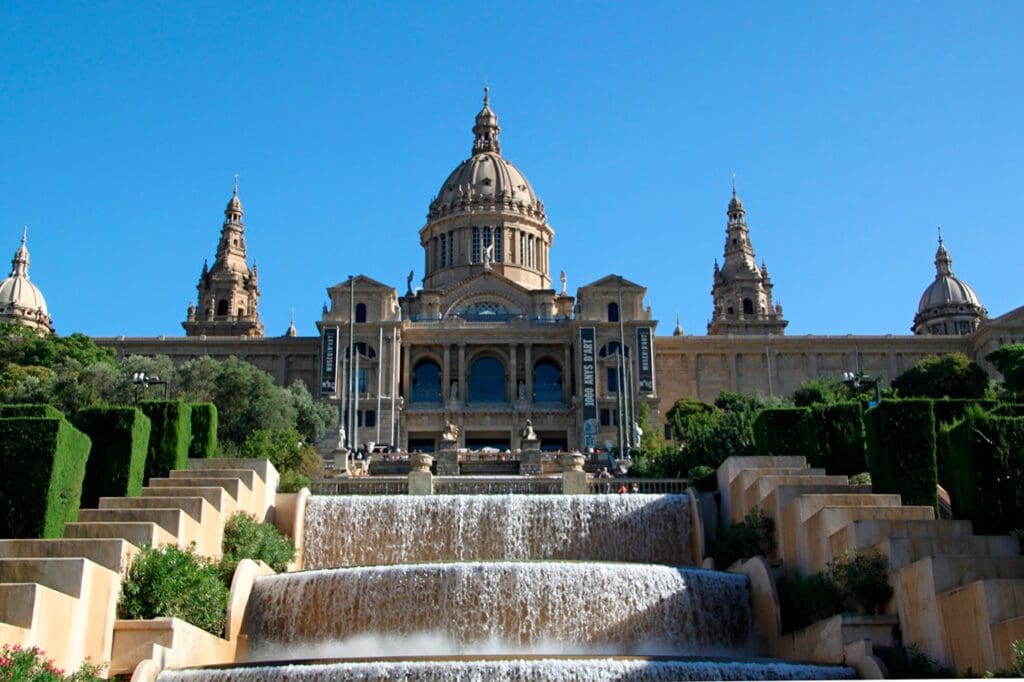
120,441
204,431
785,431
43,462
984,457
170,436
949,410
840,438
901,450
30,410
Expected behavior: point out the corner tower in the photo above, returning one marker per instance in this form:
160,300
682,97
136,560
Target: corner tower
229,292
949,305
486,216
742,291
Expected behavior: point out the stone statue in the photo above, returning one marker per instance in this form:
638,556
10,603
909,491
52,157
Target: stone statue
521,391
450,433
562,278
341,438
528,433
454,392
488,256
408,284
637,433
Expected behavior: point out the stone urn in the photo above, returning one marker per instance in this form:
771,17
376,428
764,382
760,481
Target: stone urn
573,461
420,461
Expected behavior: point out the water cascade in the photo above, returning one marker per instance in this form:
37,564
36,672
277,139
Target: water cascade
501,587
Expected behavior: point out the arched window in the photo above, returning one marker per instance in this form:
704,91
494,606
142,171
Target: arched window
426,382
363,349
360,312
222,307
748,307
611,349
613,312
547,382
487,381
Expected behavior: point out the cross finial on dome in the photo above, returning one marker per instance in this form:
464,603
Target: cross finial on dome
235,193
487,99
940,234
24,235
733,185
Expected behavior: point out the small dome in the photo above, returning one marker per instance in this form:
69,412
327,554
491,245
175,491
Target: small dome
20,292
485,177
947,290
234,203
20,299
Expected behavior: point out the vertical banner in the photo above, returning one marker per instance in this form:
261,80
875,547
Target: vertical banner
645,361
588,373
329,362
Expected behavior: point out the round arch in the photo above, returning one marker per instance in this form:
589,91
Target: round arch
486,379
547,381
426,381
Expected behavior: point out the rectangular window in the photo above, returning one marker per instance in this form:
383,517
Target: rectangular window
498,246
451,248
360,377
444,250
475,250
367,417
529,253
522,248
606,417
612,379
487,237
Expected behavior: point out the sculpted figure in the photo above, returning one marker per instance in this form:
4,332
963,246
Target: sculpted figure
528,433
450,433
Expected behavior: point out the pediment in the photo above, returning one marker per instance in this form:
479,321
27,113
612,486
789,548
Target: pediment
362,282
484,288
613,281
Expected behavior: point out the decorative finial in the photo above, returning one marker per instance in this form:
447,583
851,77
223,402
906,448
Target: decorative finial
486,95
940,234
236,184
733,185
24,235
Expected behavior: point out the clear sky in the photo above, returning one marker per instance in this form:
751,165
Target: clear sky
853,129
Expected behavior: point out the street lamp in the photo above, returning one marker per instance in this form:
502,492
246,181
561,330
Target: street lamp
856,380
143,381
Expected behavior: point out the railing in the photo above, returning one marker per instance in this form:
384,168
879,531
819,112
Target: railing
377,485
645,486
467,485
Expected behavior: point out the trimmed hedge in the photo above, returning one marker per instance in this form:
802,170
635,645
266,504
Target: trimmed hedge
120,441
984,457
204,431
785,431
949,410
901,450
170,436
840,438
30,410
43,462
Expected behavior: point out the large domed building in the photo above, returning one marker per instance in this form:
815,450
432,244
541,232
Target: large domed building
486,343
21,301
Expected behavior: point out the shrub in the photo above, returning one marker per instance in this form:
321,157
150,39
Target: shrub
840,438
785,431
204,431
910,663
295,459
753,536
30,410
120,440
173,582
863,478
1015,670
247,538
952,375
901,450
863,580
703,478
805,600
43,463
170,436
30,664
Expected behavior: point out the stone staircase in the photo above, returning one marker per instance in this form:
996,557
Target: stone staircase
61,594
958,596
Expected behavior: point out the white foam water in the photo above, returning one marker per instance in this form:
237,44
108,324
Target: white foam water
536,607
537,670
401,529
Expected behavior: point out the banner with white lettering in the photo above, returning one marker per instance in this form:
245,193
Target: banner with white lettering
645,361
588,374
329,362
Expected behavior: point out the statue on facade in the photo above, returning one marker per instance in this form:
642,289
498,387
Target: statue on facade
341,438
637,433
528,432
450,433
408,284
454,392
488,256
521,391
562,278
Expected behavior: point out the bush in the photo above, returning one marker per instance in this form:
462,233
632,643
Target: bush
1015,670
30,410
247,538
952,375
753,536
909,663
295,459
805,600
863,580
170,436
173,582
703,478
204,431
839,438
784,431
43,462
30,664
120,440
901,450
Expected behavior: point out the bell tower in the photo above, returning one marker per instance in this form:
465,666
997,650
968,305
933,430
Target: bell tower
229,292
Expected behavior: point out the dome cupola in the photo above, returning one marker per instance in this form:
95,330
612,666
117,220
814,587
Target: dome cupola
21,301
948,305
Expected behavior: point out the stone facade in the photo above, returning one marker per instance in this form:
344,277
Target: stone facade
488,344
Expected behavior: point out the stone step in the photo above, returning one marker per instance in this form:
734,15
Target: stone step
219,499
113,554
779,498
738,485
1006,631
66,576
263,493
869,532
763,486
137,533
804,505
196,507
906,550
818,529
201,524
171,519
28,606
235,487
968,614
247,476
732,466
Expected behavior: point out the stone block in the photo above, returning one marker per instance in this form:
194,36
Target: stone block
114,554
779,498
1004,634
865,533
732,466
174,642
138,533
748,477
906,550
968,614
826,640
217,497
421,483
263,468
183,527
531,463
803,506
827,520
234,486
448,462
575,483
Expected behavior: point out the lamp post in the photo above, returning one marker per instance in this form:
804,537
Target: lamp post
856,380
143,381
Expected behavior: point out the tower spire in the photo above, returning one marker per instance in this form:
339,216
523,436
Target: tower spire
485,132
943,261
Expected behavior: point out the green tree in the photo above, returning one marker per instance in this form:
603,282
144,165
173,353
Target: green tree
1009,360
294,458
313,418
951,375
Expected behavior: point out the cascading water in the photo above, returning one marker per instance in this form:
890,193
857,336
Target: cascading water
503,587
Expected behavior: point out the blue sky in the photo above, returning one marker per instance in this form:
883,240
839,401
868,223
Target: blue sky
853,130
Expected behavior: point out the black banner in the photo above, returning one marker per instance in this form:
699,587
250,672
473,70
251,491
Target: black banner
588,374
329,362
645,361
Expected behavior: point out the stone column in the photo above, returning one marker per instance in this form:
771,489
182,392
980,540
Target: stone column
528,370
530,458
421,481
403,377
567,374
463,388
513,371
448,459
446,373
574,479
